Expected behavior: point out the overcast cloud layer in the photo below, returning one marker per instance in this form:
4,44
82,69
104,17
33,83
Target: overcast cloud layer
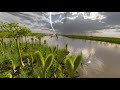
76,22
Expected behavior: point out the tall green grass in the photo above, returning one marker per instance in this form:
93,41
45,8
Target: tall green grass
20,59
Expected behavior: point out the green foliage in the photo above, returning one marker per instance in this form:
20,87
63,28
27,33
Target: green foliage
39,58
19,52
13,30
77,62
6,75
48,61
72,65
69,66
13,66
19,59
39,36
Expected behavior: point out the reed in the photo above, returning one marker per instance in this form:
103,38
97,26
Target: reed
19,52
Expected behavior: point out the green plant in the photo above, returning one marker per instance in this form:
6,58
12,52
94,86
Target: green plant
39,36
66,46
48,61
39,58
44,41
72,65
13,66
77,62
2,48
44,63
6,75
19,52
69,66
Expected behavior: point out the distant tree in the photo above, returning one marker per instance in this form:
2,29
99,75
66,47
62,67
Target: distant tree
13,30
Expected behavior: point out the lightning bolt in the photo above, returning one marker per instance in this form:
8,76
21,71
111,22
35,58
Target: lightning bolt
50,16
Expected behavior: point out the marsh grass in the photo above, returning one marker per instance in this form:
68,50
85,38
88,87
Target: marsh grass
38,62
95,38
20,59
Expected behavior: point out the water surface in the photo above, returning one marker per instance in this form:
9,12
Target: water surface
105,57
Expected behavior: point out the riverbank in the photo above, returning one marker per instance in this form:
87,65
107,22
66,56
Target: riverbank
95,38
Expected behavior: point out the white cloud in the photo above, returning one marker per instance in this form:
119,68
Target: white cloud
72,18
94,16
74,13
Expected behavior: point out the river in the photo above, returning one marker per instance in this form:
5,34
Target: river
104,57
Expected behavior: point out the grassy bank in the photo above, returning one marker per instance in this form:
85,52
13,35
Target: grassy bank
95,38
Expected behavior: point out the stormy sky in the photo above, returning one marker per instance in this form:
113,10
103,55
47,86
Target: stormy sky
95,23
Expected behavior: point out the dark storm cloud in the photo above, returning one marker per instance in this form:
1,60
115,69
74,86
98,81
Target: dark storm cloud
112,18
37,20
32,19
79,25
22,16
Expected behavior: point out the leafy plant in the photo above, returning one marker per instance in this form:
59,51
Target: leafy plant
39,58
72,65
44,63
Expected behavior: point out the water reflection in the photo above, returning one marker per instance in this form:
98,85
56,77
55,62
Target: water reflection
104,56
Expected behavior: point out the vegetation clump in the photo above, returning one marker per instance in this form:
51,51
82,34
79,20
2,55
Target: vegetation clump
23,59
